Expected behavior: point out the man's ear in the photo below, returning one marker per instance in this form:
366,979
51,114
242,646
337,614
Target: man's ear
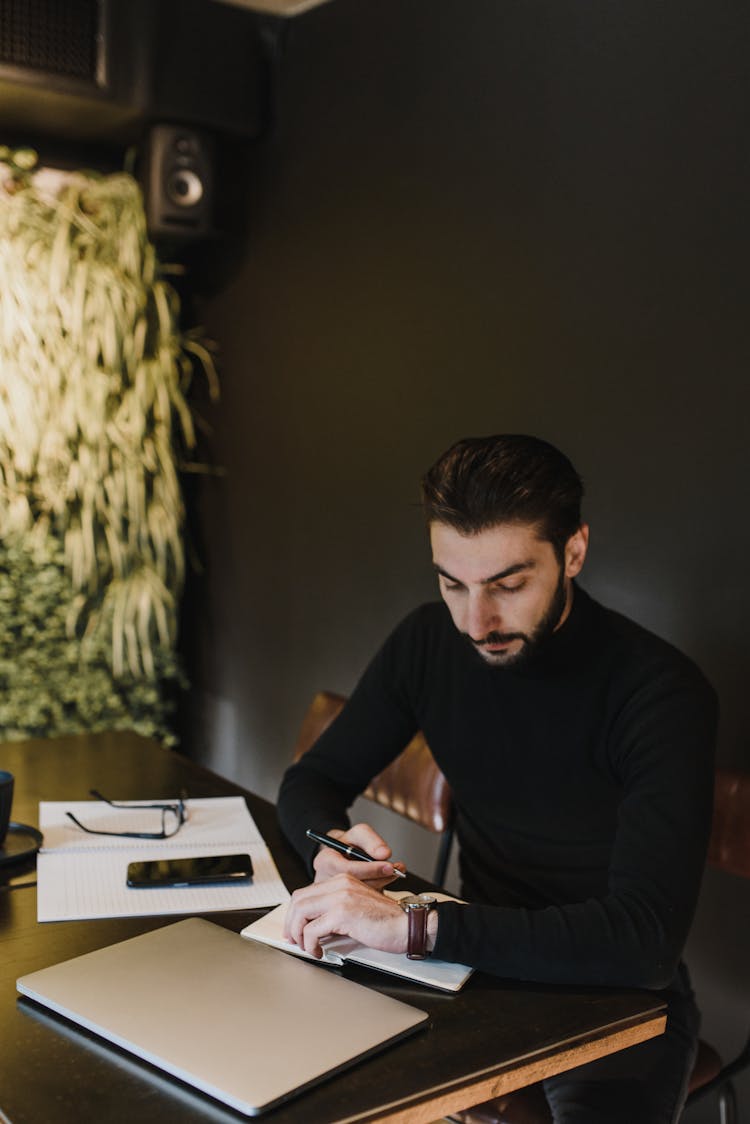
575,551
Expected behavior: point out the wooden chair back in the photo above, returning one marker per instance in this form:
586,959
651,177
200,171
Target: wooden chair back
729,848
412,786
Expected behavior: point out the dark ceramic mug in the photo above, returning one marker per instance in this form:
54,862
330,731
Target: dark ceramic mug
6,801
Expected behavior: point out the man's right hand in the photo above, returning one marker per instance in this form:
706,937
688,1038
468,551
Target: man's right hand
328,863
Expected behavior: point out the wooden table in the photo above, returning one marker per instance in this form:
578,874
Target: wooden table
490,1038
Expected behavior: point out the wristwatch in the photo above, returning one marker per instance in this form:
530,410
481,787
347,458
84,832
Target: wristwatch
416,908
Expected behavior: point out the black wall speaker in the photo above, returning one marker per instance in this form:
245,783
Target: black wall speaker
178,180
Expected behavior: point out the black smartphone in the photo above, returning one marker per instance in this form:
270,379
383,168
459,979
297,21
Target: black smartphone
198,870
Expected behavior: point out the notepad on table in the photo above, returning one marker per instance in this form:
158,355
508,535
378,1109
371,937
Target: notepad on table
432,973
83,876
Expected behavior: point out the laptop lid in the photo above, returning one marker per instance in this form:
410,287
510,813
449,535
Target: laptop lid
245,1023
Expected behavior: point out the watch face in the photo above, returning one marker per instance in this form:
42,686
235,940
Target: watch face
418,901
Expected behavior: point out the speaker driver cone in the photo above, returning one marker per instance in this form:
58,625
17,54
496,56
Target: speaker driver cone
184,187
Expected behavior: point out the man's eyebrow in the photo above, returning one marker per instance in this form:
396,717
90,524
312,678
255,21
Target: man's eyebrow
516,568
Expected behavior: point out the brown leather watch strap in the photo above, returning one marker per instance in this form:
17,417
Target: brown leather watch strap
417,941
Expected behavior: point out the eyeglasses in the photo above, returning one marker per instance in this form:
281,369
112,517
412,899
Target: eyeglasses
173,816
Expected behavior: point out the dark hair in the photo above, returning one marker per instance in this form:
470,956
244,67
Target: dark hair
507,478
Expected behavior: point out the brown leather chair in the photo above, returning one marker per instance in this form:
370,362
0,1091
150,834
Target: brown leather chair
729,850
412,785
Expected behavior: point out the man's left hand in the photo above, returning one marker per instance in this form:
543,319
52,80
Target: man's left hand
345,906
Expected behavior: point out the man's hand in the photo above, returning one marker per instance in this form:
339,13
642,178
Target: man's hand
329,863
344,905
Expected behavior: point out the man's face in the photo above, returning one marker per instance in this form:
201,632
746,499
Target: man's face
505,587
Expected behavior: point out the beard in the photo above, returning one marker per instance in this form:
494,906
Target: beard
530,641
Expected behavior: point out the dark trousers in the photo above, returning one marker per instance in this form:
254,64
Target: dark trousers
645,1084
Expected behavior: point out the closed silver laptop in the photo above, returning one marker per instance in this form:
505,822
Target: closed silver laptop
244,1023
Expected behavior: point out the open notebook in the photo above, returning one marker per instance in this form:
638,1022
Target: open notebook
432,973
235,1020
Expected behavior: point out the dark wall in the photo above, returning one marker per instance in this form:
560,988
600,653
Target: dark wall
475,217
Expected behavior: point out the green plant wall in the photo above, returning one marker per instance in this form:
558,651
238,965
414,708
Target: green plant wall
47,685
93,422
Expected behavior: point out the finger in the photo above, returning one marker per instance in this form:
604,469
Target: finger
310,902
302,909
392,877
375,875
366,837
328,863
316,931
370,873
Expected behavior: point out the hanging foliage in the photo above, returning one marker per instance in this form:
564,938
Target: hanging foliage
93,375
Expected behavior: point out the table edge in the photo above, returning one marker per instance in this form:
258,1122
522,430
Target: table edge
498,1080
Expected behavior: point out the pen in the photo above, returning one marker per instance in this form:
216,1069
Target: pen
346,849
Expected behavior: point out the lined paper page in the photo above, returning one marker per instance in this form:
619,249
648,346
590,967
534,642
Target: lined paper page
83,877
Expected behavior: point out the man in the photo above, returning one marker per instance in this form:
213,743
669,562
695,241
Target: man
579,750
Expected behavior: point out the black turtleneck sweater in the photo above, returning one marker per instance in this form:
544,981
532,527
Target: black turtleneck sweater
582,782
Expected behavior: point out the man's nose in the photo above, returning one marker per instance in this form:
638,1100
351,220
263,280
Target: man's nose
482,616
